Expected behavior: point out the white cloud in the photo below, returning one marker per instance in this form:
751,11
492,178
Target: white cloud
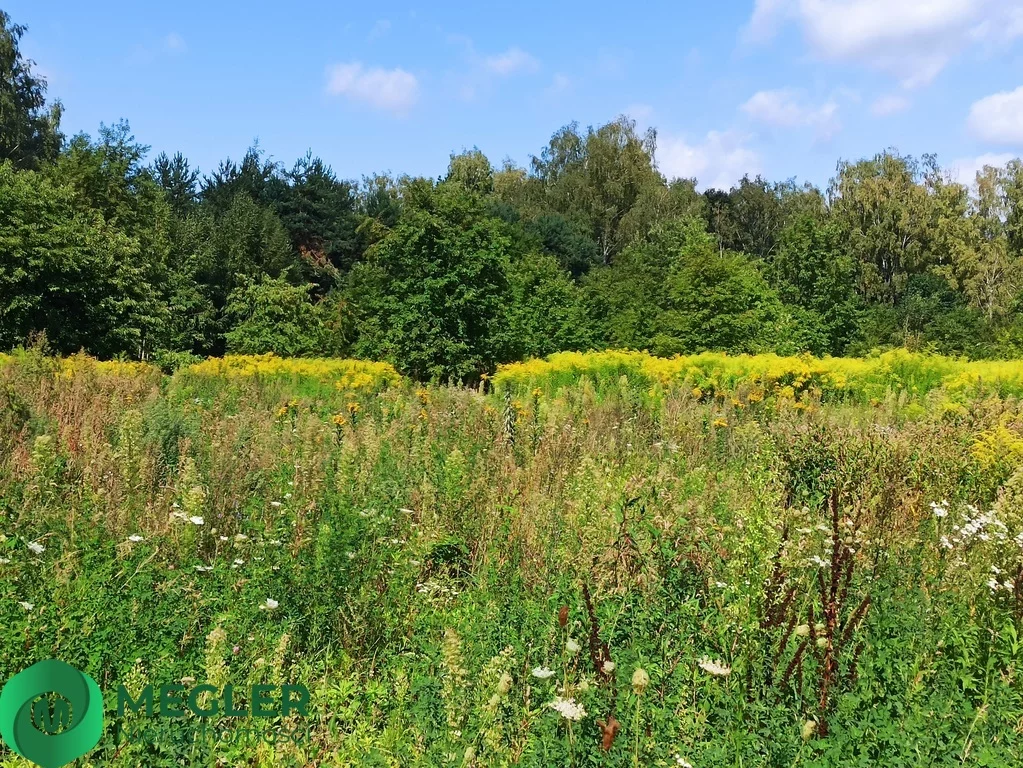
174,42
998,118
965,169
889,105
787,108
719,160
911,39
511,61
392,90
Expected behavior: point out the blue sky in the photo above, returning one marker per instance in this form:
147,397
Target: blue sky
780,87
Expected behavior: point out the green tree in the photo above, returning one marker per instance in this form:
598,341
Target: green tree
751,217
472,171
597,179
547,313
29,130
676,292
256,177
627,299
195,298
319,213
68,271
715,301
270,315
813,271
434,295
178,180
568,242
886,214
984,265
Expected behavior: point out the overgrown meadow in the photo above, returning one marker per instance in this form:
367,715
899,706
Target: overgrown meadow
601,559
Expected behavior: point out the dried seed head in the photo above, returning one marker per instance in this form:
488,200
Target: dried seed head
640,680
809,729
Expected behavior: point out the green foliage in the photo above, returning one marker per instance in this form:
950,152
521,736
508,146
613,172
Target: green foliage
471,171
434,293
675,292
270,315
178,180
597,179
812,271
319,213
29,131
65,271
574,249
717,302
547,309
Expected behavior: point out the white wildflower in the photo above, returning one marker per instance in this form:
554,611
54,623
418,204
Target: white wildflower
714,667
940,509
275,503
542,673
196,520
681,762
26,605
36,548
569,709
269,605
608,667
572,646
135,538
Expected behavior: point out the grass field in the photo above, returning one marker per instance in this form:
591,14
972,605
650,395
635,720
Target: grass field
603,559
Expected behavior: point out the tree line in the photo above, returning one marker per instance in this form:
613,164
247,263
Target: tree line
107,250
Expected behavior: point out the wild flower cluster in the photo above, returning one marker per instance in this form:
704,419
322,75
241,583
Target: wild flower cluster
346,375
753,378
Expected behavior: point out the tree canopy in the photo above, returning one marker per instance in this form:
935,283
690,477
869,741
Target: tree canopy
107,249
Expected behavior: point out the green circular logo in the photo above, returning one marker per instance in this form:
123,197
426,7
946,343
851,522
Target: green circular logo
51,736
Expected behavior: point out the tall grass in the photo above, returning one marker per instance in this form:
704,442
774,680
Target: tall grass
575,574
